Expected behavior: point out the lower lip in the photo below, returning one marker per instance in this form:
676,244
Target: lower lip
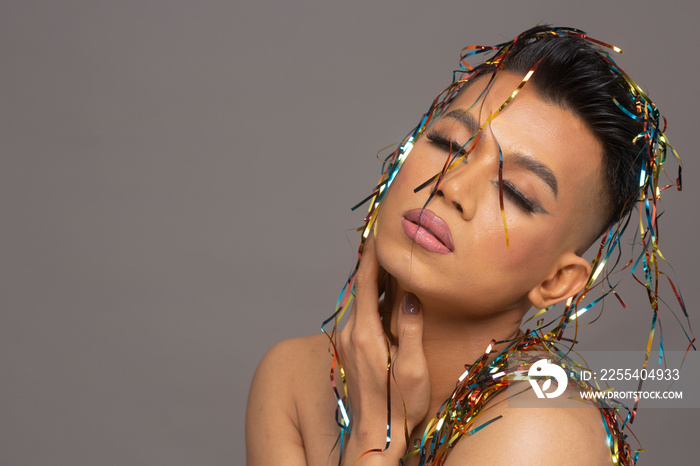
424,238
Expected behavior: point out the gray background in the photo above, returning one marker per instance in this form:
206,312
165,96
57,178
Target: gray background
176,184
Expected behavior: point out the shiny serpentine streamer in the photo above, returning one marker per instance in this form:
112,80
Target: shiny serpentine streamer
490,375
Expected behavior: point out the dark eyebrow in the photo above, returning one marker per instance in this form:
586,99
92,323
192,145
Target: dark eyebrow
516,159
534,166
464,117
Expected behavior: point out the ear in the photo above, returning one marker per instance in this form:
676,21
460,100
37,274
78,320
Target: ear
568,279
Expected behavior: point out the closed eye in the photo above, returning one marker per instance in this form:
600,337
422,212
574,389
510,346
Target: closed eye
512,193
445,144
519,199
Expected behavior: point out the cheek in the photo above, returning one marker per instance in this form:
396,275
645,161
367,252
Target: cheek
537,262
401,196
530,252
414,172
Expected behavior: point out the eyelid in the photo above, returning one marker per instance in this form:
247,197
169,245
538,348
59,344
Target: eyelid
444,143
517,197
521,200
514,194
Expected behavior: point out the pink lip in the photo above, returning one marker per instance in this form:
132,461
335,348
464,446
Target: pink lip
428,230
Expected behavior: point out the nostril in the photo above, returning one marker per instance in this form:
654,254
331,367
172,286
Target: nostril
458,206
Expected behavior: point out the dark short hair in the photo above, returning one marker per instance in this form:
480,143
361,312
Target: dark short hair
574,74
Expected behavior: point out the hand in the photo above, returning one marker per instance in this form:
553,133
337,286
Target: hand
365,353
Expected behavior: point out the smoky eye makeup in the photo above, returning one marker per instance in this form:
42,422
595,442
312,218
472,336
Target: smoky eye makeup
513,194
521,200
448,145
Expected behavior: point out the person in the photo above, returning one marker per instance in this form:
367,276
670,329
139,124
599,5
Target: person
484,211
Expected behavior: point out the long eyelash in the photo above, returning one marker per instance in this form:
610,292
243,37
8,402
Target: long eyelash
452,147
518,198
511,191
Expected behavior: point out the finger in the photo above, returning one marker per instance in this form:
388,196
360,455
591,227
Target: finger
369,254
410,331
387,311
366,306
348,327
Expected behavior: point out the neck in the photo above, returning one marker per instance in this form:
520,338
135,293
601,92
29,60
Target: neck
452,340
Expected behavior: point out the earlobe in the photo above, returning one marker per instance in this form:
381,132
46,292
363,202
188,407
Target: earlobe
569,278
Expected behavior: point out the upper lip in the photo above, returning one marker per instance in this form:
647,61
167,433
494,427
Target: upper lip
434,224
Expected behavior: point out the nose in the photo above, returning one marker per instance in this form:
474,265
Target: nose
459,189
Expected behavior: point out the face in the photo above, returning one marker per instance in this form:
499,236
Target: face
458,258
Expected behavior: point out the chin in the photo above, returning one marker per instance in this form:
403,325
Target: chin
396,260
410,274
410,266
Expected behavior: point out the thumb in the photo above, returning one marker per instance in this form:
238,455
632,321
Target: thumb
410,328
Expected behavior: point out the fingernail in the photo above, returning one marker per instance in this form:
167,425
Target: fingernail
410,304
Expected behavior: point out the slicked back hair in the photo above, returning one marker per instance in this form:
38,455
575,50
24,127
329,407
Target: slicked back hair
574,75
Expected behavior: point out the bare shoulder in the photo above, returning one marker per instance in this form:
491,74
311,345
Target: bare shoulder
568,431
295,357
289,377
